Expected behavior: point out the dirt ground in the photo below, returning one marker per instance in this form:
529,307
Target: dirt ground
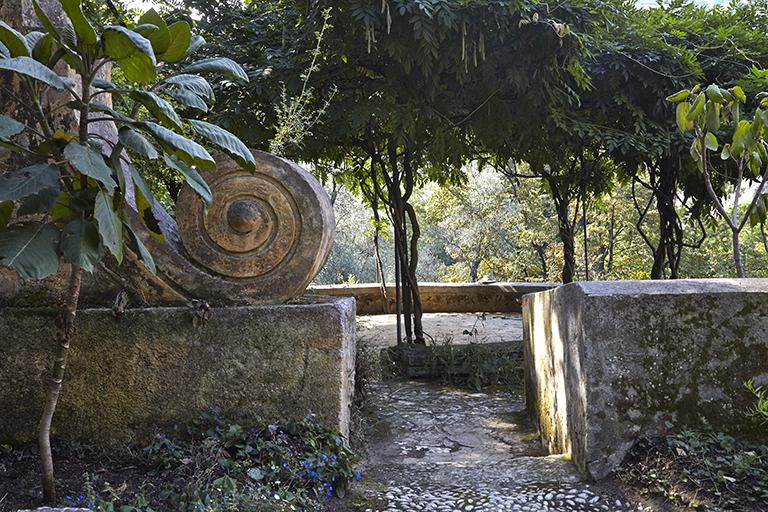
487,328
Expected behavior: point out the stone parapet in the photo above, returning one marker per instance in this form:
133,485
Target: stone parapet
150,369
607,362
440,297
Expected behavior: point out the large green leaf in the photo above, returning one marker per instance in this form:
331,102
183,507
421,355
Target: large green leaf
193,178
132,52
144,207
29,180
188,99
194,83
161,37
195,43
181,37
32,250
6,209
140,250
110,225
83,28
103,84
14,41
90,162
158,107
98,107
80,244
711,141
41,202
233,146
220,65
133,140
141,185
9,126
190,152
61,211
69,38
697,107
42,47
33,69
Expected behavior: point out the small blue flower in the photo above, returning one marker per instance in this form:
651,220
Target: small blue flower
312,474
334,457
285,464
333,479
357,476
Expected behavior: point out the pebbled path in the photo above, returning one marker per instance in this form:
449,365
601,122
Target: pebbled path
450,449
447,450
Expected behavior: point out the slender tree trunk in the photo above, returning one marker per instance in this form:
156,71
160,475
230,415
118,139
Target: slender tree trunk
586,248
565,230
737,254
413,264
663,186
542,258
377,253
66,333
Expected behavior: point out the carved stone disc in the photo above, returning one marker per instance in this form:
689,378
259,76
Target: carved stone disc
264,238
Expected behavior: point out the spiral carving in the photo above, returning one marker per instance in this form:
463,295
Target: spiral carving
265,236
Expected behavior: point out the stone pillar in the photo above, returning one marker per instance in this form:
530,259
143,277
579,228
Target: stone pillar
607,362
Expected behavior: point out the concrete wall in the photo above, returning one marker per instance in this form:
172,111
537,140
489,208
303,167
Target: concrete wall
609,361
152,369
440,297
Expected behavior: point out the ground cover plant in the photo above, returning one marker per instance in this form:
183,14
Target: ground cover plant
700,470
212,464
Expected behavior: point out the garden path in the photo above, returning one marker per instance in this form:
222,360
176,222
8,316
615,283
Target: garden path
435,448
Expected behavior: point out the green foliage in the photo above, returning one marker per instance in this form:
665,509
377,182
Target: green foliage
760,409
694,468
744,159
215,465
83,182
218,463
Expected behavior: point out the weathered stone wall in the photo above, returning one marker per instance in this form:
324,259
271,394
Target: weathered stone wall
609,361
152,369
440,297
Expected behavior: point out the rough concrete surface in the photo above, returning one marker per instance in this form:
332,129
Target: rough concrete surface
607,362
152,368
439,297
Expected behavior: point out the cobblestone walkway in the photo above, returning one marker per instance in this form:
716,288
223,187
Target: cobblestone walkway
447,450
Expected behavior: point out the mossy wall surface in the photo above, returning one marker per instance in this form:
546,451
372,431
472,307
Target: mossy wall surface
610,361
152,369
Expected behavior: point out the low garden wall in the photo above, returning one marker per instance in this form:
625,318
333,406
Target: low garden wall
607,362
439,297
151,369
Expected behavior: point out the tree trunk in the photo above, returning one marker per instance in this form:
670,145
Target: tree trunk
542,258
667,253
66,333
565,230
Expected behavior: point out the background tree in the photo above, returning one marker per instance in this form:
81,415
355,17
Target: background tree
638,59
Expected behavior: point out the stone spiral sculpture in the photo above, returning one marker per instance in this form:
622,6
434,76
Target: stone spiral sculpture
265,237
